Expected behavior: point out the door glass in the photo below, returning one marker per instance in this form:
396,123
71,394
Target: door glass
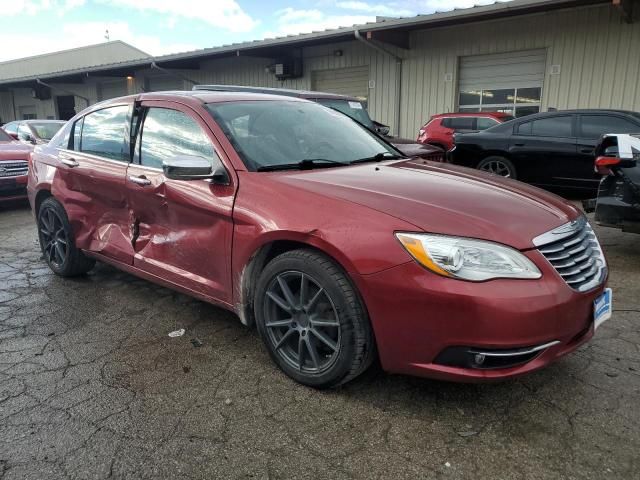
170,133
492,97
525,128
552,127
104,131
485,122
24,133
594,126
461,123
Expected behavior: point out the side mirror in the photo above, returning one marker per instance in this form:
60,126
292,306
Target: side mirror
13,135
187,167
381,129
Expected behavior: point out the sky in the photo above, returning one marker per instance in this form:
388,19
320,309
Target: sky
32,27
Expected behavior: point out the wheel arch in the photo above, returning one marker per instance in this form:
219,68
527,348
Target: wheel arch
267,251
40,197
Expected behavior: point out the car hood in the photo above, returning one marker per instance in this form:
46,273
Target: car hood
14,150
445,199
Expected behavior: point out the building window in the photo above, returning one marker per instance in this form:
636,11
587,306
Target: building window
514,101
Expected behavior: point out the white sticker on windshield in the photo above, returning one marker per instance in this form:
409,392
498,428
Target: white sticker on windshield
355,105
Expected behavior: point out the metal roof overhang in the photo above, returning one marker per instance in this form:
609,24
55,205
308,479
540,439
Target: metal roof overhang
390,30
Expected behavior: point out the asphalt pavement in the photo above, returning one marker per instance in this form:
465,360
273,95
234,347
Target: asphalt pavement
92,386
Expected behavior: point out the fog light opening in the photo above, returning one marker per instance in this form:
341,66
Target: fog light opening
478,359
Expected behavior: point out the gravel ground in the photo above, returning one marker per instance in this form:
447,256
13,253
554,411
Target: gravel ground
91,386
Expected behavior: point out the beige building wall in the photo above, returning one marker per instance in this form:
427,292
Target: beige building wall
598,55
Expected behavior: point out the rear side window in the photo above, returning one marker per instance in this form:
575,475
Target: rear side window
460,123
594,126
104,133
547,127
169,133
485,122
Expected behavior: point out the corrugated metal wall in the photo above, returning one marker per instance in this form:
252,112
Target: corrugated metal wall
252,71
598,54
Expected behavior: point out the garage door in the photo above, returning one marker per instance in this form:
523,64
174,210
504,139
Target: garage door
165,83
506,82
113,89
353,81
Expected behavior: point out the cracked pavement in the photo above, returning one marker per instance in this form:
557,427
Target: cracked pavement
91,386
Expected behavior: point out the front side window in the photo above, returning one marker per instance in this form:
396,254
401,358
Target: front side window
594,126
170,133
281,132
104,133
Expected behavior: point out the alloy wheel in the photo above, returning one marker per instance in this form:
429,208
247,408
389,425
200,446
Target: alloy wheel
497,168
54,240
302,322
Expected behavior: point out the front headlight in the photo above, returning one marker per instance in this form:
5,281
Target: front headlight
466,258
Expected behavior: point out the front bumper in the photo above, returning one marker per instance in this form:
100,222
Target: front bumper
14,188
417,315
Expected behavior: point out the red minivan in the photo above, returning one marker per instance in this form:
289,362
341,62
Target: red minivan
335,245
439,130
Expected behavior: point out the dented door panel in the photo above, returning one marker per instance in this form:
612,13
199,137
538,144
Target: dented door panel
96,203
182,231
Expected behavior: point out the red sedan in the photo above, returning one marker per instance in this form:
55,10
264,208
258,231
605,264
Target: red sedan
14,158
336,246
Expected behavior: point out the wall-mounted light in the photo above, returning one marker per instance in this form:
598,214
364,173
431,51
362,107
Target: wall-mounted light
129,77
338,53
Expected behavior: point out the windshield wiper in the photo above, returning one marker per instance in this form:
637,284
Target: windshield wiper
306,164
377,158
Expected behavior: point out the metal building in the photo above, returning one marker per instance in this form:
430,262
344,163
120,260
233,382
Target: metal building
522,57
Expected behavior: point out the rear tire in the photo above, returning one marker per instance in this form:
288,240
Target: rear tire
312,321
57,242
500,166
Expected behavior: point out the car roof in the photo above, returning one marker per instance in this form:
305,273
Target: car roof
585,111
35,120
472,114
288,92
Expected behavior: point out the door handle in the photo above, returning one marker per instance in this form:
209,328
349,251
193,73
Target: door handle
588,150
140,180
519,144
69,162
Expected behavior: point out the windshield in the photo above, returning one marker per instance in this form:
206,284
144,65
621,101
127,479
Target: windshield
352,108
282,132
46,131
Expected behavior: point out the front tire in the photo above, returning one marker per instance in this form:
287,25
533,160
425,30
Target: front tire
500,166
57,242
312,320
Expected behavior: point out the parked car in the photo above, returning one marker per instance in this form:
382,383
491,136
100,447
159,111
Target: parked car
14,158
618,202
552,149
439,130
33,131
351,106
337,251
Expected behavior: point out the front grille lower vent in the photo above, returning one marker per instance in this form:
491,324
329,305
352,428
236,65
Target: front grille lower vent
13,168
574,251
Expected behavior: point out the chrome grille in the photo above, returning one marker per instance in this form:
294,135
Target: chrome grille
13,168
574,251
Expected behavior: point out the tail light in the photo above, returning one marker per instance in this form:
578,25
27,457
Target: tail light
603,164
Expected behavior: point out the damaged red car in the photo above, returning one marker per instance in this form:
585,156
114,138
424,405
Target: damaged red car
337,247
